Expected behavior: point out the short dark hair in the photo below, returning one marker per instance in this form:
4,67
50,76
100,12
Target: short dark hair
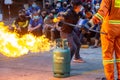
76,2
21,11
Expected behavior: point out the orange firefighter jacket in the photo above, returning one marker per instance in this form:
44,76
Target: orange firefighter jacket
109,15
109,8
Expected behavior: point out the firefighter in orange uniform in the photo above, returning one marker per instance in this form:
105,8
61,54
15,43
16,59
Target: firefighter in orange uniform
109,15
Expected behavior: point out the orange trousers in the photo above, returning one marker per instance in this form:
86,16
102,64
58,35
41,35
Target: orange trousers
110,48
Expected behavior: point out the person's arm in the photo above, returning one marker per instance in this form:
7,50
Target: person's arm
29,28
26,23
16,23
30,25
13,24
39,24
38,9
102,12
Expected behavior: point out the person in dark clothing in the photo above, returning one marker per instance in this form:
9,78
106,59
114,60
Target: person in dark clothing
20,24
48,6
67,31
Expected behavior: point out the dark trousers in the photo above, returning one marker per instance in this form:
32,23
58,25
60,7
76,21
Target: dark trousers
73,43
37,32
55,34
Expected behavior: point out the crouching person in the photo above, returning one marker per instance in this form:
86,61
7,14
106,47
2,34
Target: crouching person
48,25
50,30
20,24
35,24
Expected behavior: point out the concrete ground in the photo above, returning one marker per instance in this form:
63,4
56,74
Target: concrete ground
38,66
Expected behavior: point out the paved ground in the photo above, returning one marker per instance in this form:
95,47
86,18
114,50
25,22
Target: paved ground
39,67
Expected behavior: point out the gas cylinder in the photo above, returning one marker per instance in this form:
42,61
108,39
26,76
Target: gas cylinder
61,59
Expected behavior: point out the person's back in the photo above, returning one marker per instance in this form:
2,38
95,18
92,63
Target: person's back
70,17
113,9
109,15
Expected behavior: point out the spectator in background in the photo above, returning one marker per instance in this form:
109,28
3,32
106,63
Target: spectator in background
86,1
59,7
65,6
43,13
97,4
88,7
84,32
20,24
97,37
97,1
33,8
35,24
48,6
48,25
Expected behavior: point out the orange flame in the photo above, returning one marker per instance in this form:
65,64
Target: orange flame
11,45
55,20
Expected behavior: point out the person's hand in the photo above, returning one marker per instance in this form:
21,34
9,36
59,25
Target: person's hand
11,28
19,29
89,25
30,29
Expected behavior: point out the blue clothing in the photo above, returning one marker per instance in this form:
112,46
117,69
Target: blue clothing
35,23
95,2
31,10
61,9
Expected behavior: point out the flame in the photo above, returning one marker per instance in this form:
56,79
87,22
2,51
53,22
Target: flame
55,20
11,45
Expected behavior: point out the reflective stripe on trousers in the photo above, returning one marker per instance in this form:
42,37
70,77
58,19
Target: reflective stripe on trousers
108,62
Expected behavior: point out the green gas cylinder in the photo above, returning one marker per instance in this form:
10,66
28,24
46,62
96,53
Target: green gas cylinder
61,60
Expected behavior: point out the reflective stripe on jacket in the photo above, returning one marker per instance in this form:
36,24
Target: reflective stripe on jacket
110,8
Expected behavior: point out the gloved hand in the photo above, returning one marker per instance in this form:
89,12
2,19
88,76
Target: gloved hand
89,25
